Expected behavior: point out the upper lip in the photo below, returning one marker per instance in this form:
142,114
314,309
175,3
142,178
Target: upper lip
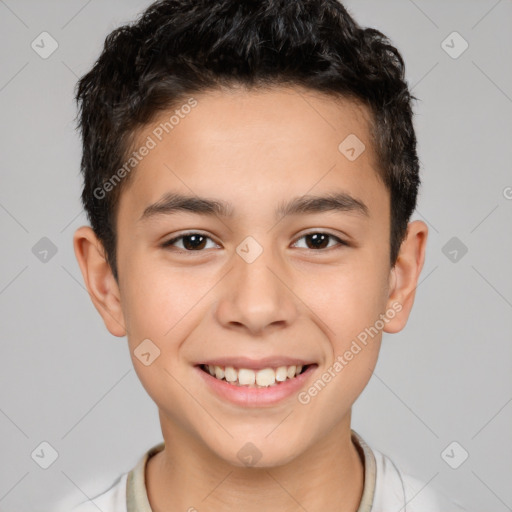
257,364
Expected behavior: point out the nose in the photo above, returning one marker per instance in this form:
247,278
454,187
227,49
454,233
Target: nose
257,297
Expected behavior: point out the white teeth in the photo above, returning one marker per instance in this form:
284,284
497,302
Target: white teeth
246,376
281,374
266,377
262,378
231,374
291,371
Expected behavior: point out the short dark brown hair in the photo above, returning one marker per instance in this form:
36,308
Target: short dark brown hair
180,47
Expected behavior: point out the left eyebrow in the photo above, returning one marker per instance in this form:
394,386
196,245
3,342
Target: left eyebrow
307,204
336,201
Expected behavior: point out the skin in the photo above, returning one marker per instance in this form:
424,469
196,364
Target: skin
255,150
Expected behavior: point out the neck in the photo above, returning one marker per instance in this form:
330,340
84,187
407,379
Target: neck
329,476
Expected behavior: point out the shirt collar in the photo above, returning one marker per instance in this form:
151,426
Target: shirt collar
137,496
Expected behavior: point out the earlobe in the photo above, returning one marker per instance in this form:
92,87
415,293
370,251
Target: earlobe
99,280
405,274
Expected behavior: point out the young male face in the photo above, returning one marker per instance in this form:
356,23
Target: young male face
256,287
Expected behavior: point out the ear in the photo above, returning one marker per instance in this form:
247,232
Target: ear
404,275
99,280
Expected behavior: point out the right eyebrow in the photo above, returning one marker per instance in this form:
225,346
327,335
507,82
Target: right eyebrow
171,203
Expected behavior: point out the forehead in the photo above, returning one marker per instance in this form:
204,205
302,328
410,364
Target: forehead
257,145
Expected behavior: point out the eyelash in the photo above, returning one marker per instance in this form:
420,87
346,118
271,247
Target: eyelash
168,244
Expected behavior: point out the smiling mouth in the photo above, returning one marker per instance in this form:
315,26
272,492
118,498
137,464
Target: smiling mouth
245,377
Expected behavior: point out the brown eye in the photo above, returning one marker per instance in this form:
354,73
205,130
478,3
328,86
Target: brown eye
319,240
190,242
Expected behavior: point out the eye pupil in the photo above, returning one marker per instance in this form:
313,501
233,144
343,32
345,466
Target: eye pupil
194,244
318,239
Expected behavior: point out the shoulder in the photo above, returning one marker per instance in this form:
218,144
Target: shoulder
395,489
111,500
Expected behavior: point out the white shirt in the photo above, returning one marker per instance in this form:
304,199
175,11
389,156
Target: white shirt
385,489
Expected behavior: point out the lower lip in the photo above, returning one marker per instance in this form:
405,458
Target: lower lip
256,397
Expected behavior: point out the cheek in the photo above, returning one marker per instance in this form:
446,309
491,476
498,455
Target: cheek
159,305
156,296
349,309
347,299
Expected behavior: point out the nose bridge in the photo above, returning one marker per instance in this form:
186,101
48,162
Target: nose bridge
254,294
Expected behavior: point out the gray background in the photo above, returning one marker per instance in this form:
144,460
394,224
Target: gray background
446,377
